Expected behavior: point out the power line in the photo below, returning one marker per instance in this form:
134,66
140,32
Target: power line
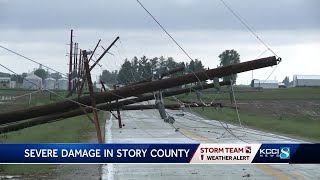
245,24
185,52
31,60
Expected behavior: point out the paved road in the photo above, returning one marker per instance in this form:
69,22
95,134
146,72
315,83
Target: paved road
147,127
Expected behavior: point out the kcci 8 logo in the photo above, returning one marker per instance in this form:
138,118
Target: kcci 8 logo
282,153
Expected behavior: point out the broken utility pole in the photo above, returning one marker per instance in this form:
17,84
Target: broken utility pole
93,101
135,90
118,110
95,63
107,107
166,73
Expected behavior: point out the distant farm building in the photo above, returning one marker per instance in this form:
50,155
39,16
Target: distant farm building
62,84
32,82
5,82
50,83
306,80
265,84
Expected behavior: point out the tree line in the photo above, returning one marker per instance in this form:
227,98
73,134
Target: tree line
139,69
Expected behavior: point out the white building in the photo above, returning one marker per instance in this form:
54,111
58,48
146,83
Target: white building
32,82
62,84
13,84
268,84
5,82
306,80
49,83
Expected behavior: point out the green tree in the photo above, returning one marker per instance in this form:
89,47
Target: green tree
55,76
229,57
154,63
191,66
134,70
125,76
109,77
41,73
144,69
198,65
162,62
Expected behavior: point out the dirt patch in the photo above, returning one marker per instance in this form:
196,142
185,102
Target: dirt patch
79,171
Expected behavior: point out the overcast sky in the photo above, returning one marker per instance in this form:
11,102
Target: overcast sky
40,30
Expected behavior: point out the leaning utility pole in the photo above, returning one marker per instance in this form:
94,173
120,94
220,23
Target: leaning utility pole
93,101
95,63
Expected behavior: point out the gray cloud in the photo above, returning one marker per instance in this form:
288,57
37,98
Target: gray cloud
40,29
174,14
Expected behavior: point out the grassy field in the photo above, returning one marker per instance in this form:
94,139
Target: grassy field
15,99
291,111
72,130
295,126
266,94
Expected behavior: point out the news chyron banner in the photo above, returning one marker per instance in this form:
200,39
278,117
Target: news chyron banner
159,153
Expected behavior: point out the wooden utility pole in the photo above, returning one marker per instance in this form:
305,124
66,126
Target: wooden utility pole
103,87
70,61
93,101
166,73
104,53
118,110
74,71
95,63
107,107
62,116
80,71
94,51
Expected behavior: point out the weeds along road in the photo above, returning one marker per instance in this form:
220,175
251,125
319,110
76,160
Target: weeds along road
147,127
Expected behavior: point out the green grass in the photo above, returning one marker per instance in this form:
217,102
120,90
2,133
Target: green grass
37,99
298,125
301,93
72,130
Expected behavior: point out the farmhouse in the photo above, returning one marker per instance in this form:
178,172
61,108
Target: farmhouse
306,80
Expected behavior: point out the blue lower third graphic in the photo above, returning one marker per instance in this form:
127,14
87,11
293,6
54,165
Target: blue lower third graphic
96,153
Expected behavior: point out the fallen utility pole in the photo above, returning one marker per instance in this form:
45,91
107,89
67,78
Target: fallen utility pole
135,90
166,73
58,117
107,107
